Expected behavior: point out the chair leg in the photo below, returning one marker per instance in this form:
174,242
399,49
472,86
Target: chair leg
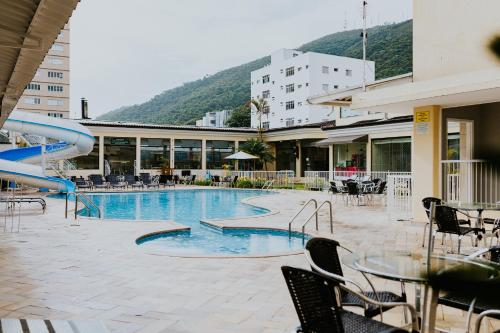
433,240
425,232
442,239
459,243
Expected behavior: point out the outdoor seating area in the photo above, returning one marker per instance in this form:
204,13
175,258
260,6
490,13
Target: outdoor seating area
361,191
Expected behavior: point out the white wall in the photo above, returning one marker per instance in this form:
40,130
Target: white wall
308,81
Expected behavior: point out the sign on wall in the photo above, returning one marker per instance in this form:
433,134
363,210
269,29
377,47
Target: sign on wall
422,120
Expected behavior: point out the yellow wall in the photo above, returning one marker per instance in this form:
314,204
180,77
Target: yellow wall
451,36
425,158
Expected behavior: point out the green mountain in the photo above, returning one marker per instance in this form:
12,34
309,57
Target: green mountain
390,46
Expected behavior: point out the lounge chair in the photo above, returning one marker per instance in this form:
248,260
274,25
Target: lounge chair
133,182
98,182
82,184
115,182
190,180
166,180
149,181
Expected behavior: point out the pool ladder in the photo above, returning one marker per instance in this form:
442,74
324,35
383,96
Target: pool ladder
314,214
87,202
268,185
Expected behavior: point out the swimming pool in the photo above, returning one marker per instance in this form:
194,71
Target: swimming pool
189,207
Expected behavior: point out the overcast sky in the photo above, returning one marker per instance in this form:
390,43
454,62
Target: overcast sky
124,52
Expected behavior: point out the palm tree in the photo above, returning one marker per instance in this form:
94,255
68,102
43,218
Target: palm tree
260,149
261,107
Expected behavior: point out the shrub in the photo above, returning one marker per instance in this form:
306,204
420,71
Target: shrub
203,182
244,183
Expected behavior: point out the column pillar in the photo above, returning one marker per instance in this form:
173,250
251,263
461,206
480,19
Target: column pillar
101,155
172,153
298,160
137,156
204,155
330,162
236,148
368,156
426,156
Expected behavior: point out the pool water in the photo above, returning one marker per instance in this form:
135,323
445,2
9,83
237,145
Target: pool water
188,207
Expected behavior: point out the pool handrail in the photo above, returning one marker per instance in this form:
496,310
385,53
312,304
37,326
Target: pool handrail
300,211
316,213
89,201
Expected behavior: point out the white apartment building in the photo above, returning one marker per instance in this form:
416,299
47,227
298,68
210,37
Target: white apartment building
294,76
214,119
48,92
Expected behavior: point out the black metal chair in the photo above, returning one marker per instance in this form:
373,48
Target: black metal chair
471,304
314,298
448,223
115,182
353,190
233,182
426,202
216,181
166,180
148,181
98,182
82,184
322,254
133,182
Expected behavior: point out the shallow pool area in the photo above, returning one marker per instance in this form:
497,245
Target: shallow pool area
190,207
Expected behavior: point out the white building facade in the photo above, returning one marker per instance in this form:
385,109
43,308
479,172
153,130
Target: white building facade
294,76
214,119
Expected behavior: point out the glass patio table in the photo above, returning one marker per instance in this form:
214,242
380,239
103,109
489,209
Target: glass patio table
411,268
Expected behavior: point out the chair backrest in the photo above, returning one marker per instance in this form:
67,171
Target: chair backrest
163,179
146,177
447,220
176,178
130,178
193,178
324,254
216,179
314,300
381,187
427,203
235,179
96,179
352,188
333,187
113,179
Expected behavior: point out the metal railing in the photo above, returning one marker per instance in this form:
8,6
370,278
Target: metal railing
316,213
399,193
470,181
300,211
344,175
88,203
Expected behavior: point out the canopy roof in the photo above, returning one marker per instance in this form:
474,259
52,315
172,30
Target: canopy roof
241,155
342,140
28,28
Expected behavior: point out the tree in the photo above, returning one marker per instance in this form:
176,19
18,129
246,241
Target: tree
260,149
260,106
240,117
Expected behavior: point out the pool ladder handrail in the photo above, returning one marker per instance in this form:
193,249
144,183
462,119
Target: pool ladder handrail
316,213
86,204
300,211
268,185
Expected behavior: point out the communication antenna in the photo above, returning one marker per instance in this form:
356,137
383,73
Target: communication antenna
365,37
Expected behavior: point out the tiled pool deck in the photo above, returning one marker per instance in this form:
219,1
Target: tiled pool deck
52,269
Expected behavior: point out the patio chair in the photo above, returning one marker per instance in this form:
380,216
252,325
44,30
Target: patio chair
190,180
216,181
176,179
148,181
98,182
316,305
116,182
133,182
448,223
166,180
233,181
322,255
83,184
353,190
471,304
484,314
427,206
337,188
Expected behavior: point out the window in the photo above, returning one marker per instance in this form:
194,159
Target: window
90,161
265,109
335,69
290,71
289,122
55,102
299,69
325,87
348,72
38,72
216,153
32,100
187,154
55,88
299,86
307,84
55,61
299,104
325,70
61,34
265,125
55,114
155,153
295,55
57,47
290,88
265,79
307,66
346,113
58,75
350,156
266,94
335,87
33,86
119,152
392,154
290,105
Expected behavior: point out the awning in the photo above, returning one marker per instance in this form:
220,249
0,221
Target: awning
342,140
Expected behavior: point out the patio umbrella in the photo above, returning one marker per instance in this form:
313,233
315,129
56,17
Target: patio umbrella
241,155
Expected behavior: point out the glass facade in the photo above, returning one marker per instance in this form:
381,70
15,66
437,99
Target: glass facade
285,158
392,154
349,157
313,158
217,151
155,153
187,154
91,161
120,154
